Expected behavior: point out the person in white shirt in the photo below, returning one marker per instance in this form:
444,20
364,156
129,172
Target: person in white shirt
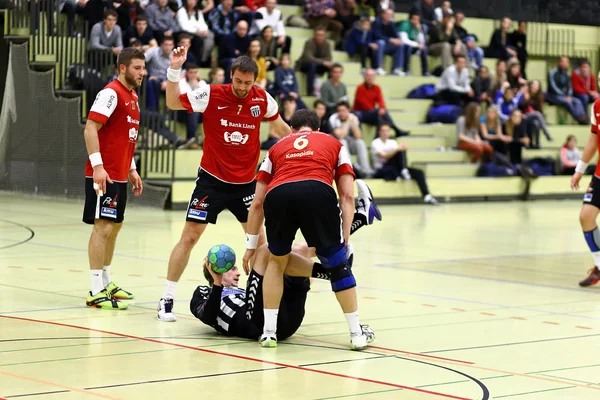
454,86
191,20
188,83
445,8
271,16
389,162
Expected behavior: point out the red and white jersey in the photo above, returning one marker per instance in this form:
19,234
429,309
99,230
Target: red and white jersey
595,122
231,129
303,156
118,110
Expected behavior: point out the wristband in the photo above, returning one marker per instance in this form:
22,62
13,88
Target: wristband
173,75
251,241
581,167
133,166
95,159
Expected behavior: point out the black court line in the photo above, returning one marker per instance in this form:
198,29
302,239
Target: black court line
36,394
345,361
511,344
31,234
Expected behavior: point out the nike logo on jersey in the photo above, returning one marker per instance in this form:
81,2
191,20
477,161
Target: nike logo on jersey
127,103
220,108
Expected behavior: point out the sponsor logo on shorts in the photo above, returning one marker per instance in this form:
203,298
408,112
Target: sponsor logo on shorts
301,154
197,214
588,197
108,201
255,111
108,212
200,204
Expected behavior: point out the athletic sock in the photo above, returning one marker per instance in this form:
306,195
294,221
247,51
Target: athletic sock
593,240
270,320
353,323
169,292
106,275
96,280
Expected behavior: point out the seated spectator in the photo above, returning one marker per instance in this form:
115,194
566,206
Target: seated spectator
334,90
459,18
245,10
136,44
513,76
162,20
269,15
345,14
185,40
254,53
389,162
414,40
383,5
216,76
320,13
515,129
444,41
474,53
365,9
482,86
560,91
285,84
490,128
360,40
384,30
426,10
223,21
346,128
518,40
288,106
206,6
191,20
268,47
467,134
188,83
506,101
532,107
106,35
584,84
158,60
369,105
142,32
499,77
454,87
232,46
500,42
569,157
445,8
128,12
315,59
320,109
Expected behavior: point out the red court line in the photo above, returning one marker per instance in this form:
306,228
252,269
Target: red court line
296,367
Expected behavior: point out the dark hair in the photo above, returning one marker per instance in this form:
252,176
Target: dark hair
458,57
319,102
208,276
245,64
191,66
342,103
167,38
110,13
413,13
128,54
135,42
337,65
287,99
584,61
569,138
471,120
306,118
320,28
500,61
140,18
382,124
185,35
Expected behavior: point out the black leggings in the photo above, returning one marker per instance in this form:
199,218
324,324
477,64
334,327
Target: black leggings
393,167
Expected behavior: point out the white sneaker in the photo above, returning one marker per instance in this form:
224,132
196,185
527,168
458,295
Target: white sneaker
365,203
361,342
398,72
268,340
429,199
380,71
165,310
406,174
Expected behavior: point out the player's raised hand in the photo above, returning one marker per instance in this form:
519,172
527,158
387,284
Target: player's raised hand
575,180
100,179
248,255
178,57
136,182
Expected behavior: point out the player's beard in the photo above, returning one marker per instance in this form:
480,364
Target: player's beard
130,79
240,93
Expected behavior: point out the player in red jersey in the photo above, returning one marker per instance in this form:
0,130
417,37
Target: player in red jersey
591,199
294,191
232,115
110,135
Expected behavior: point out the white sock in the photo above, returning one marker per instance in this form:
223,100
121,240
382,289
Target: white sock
596,257
106,275
96,279
353,323
270,320
169,292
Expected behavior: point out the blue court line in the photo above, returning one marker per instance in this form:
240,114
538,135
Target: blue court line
484,278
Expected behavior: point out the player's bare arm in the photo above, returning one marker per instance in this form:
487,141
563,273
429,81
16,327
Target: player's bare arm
588,152
345,188
256,218
92,144
177,59
136,180
280,127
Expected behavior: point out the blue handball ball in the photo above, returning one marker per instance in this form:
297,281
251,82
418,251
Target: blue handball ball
221,258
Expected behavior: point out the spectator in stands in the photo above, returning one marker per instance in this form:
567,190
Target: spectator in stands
263,65
445,8
128,11
459,18
506,101
268,47
384,29
106,35
286,84
390,163
474,53
288,107
269,15
532,108
454,86
345,126
334,90
245,10
584,84
188,83
482,86
191,20
490,128
383,5
142,32
345,14
223,20
426,10
369,104
185,40
216,76
560,91
206,6
444,41
414,40
365,9
320,109
162,20
499,77
515,129
232,46
500,42
360,40
321,13
513,76
467,134
136,44
518,40
569,157
158,60
316,58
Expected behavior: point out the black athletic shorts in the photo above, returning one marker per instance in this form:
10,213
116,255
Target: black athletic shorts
211,196
592,196
110,207
310,206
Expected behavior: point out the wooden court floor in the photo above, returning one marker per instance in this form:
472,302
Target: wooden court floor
468,301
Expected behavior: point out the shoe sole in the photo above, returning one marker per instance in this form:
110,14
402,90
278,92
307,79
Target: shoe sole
166,320
105,308
357,348
589,284
268,344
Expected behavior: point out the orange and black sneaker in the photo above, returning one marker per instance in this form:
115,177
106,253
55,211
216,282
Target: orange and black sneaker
592,279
